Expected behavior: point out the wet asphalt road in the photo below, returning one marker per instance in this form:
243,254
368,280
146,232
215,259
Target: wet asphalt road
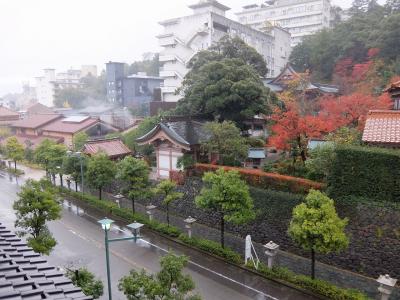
81,243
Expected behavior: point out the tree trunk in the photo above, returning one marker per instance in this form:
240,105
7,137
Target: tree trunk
76,186
312,264
222,231
61,181
168,215
100,193
15,166
53,175
133,205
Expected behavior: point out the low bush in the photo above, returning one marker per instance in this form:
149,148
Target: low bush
266,180
212,247
317,286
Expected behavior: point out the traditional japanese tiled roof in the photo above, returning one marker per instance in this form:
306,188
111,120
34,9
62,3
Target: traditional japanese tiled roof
25,274
112,147
71,126
38,108
393,86
382,126
6,112
185,133
35,121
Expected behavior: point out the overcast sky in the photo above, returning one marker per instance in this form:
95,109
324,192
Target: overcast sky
37,34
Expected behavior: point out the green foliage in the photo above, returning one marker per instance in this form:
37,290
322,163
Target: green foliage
365,172
212,247
373,29
228,47
186,161
144,127
255,142
345,136
227,194
134,174
71,165
100,171
316,226
317,286
79,140
166,188
87,281
320,162
5,132
168,283
41,153
228,89
225,140
151,67
36,206
14,150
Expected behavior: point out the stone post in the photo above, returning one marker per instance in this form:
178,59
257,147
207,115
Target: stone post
386,286
271,251
149,211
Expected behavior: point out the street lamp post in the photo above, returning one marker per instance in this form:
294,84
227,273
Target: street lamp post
106,225
78,154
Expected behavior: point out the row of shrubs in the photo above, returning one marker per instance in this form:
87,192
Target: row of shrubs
368,172
266,180
320,287
305,282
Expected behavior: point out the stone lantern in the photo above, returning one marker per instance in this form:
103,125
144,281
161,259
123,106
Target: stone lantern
118,198
386,286
189,222
69,183
149,210
271,251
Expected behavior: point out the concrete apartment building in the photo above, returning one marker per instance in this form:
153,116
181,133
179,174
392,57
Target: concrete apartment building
129,90
50,81
300,17
183,37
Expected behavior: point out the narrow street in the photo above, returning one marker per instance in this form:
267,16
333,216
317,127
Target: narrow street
81,243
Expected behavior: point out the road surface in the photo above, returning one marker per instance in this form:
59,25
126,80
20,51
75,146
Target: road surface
81,243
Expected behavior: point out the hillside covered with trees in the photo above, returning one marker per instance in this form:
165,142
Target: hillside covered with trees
349,43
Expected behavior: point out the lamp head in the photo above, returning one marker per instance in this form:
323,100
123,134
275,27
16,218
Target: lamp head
106,223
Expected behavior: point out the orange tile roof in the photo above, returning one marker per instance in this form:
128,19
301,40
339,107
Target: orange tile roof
382,126
112,147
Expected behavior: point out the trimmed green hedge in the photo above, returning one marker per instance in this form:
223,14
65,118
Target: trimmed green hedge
320,287
305,282
367,172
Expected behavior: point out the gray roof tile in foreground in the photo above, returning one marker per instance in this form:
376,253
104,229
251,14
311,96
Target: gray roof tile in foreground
26,275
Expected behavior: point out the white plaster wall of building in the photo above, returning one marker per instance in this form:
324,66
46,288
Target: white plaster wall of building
300,17
184,37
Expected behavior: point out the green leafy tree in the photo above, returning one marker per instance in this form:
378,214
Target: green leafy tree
55,157
72,166
134,174
36,206
100,171
228,195
87,281
79,140
151,66
320,162
315,226
345,136
230,47
166,188
225,140
41,153
144,127
14,150
169,283
224,90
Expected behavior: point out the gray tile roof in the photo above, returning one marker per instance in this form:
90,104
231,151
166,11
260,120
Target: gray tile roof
25,274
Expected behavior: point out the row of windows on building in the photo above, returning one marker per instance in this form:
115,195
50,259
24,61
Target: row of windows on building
282,12
300,20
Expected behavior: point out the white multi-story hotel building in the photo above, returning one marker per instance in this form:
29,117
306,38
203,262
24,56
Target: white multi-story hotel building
299,17
183,37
